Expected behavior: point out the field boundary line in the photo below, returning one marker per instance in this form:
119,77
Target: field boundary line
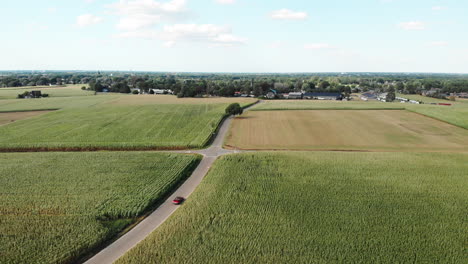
25,111
435,118
325,109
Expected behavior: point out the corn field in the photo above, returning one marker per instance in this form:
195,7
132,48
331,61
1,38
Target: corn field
55,207
116,127
319,208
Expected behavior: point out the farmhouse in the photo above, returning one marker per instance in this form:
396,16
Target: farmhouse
323,96
432,91
368,95
162,91
382,97
461,95
295,96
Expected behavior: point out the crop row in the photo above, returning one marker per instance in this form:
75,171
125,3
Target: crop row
57,206
319,208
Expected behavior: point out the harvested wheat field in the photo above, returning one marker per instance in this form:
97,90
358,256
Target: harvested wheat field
10,117
359,130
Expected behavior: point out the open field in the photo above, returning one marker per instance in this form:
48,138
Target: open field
319,104
6,118
319,208
117,122
455,114
428,100
57,206
58,91
170,99
393,130
65,103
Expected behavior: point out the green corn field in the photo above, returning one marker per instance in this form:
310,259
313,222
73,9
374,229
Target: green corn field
58,206
111,122
320,207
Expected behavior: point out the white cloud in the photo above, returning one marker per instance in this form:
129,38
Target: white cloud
87,20
138,19
439,43
438,8
225,2
412,25
286,14
229,40
220,35
140,14
317,46
205,33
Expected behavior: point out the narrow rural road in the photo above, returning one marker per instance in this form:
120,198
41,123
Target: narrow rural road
117,249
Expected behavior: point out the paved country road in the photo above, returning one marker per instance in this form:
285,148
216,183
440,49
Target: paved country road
117,249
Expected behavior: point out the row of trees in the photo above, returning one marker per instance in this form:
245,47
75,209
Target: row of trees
193,85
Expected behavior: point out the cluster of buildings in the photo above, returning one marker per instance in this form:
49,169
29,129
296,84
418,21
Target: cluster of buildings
306,96
153,91
382,97
435,91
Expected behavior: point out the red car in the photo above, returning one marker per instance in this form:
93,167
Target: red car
178,200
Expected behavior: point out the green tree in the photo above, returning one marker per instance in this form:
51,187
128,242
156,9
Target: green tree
234,109
390,95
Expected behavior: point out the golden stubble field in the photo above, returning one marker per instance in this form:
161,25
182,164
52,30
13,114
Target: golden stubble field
374,130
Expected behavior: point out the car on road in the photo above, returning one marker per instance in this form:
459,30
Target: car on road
178,200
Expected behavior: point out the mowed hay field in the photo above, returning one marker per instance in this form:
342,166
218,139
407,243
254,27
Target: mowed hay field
308,207
119,122
395,130
53,91
456,114
57,206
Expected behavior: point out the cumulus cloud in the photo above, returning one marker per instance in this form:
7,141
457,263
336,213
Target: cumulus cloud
205,33
140,18
225,2
412,25
140,14
287,14
87,20
220,35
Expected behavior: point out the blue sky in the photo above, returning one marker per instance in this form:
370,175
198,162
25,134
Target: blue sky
236,35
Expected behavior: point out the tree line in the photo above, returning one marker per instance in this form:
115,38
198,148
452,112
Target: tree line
201,84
